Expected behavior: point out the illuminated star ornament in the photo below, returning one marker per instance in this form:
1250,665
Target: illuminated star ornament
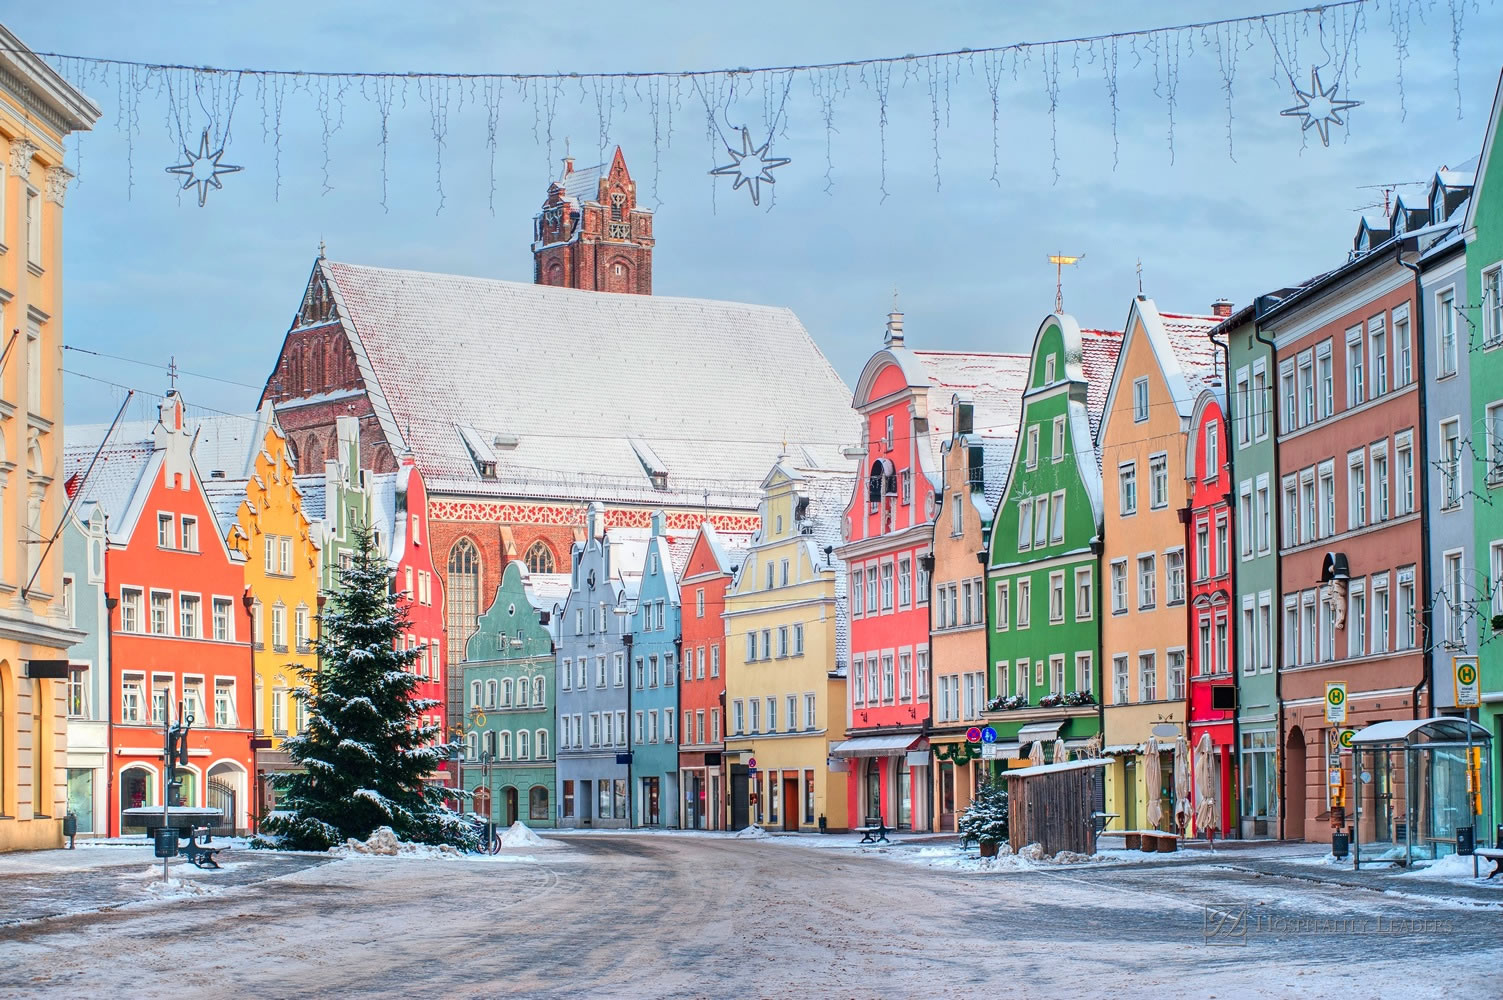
202,169
751,167
1319,108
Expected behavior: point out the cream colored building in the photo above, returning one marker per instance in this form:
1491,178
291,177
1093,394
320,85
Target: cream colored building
38,109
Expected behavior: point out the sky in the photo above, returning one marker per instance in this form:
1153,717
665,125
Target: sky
152,277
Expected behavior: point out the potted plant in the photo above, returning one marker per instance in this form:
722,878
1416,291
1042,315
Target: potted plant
985,819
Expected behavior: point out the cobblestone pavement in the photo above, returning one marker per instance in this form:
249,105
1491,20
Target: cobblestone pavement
626,916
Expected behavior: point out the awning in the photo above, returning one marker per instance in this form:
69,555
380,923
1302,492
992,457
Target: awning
1046,731
876,746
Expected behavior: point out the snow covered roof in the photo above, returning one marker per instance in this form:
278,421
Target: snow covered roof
225,497
581,184
569,390
224,443
993,383
548,589
314,490
1186,357
114,478
1098,360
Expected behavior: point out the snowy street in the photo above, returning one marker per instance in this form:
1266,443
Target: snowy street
660,915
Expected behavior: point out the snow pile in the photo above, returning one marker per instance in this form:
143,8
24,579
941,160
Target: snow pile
518,835
384,842
1452,866
1030,858
751,833
177,888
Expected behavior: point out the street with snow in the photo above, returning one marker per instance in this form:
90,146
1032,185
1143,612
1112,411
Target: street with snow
631,914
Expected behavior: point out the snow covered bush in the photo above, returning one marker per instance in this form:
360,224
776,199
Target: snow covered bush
1004,703
985,820
365,755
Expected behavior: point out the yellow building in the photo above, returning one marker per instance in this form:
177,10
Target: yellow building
264,518
37,112
786,635
1165,361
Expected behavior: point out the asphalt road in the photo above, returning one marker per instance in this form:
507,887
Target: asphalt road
627,916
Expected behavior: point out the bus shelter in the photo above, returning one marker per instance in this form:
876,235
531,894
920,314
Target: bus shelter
1417,783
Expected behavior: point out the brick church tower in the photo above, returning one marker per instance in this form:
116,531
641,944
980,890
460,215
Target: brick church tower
590,233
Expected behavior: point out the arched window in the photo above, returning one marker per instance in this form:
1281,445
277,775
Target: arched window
537,802
505,753
505,692
522,742
475,701
539,691
313,454
470,740
490,694
488,742
522,693
462,593
542,744
539,558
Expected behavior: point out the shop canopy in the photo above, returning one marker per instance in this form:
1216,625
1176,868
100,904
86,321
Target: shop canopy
876,746
1048,732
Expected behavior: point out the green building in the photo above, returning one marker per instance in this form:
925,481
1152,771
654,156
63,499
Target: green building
338,501
1043,567
508,679
1483,232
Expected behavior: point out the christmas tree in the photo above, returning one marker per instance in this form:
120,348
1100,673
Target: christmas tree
365,754
985,820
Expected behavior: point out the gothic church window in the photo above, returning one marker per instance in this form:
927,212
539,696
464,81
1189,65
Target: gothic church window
463,593
539,558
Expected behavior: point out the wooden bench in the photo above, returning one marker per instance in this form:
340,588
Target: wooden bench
201,855
1493,854
874,832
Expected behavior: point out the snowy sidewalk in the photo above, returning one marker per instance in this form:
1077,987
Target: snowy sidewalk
1449,879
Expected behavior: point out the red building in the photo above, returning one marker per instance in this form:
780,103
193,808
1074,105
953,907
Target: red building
1212,619
178,625
904,399
399,505
713,562
591,234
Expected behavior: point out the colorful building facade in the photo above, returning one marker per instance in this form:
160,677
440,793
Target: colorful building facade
1214,631
508,674
1165,361
1043,574
655,646
38,111
83,541
785,661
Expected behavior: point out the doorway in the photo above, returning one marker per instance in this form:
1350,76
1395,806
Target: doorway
1130,793
740,796
649,801
585,801
1294,784
947,796
790,804
135,791
223,793
510,798
713,805
483,801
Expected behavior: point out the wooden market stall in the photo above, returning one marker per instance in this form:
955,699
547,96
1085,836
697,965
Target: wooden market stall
1054,805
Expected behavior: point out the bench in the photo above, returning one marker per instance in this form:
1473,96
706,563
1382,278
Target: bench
1493,854
201,855
874,832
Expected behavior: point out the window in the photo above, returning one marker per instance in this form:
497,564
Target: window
1380,493
782,640
462,597
1057,518
224,704
1119,586
189,618
1147,582
188,530
1040,522
1287,395
1083,671
1057,454
1495,444
1263,514
1025,524
1140,400
1380,614
714,725
1306,391
1031,456
715,661
1158,480
1259,403
1309,651
810,717
887,586
130,610
1213,450
78,702
1492,306
1356,490
1356,621
1246,524
300,630
1085,605
1024,601
164,531
1326,495
1244,416
1119,680
858,681
1307,498
1020,679
1057,674
1148,677
1174,571
1445,318
738,721
1176,687
905,582
887,678
1202,550
161,603
1223,559
1127,488
1453,609
132,691
33,227
1324,376
1377,346
279,627
1002,606
1056,597
1450,463
1356,368
871,590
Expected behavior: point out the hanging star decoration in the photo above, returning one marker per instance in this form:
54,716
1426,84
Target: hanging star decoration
751,167
1320,108
202,169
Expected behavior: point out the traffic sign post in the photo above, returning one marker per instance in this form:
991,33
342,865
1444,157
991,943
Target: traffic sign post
1465,679
973,735
1336,703
988,735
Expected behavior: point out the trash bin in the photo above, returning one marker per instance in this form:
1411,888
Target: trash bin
165,842
823,825
1466,840
70,827
1341,842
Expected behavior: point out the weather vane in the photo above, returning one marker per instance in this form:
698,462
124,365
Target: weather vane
1059,261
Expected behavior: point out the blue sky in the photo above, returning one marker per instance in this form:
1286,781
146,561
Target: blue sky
154,276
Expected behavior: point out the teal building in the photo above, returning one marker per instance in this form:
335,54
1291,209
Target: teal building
654,653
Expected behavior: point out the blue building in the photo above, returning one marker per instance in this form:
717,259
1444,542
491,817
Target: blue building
655,654
88,760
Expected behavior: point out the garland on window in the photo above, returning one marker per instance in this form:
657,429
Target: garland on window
747,116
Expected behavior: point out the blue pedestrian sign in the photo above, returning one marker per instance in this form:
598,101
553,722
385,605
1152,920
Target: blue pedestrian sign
988,735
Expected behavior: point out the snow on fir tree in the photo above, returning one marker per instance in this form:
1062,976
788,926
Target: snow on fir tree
985,820
365,755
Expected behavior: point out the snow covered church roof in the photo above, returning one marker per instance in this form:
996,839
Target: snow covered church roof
513,389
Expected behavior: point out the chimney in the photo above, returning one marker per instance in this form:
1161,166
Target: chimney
894,337
1221,308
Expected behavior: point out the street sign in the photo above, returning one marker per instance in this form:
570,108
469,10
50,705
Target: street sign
1344,740
751,763
1334,778
1467,680
1333,748
989,751
973,735
1336,703
988,735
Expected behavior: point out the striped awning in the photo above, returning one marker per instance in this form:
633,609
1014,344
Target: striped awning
876,746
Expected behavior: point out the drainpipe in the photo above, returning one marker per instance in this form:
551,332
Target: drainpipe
1421,462
110,604
1276,530
1233,619
924,725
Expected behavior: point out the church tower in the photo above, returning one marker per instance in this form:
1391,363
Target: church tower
591,234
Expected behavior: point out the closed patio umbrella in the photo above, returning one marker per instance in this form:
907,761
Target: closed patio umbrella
1152,779
1036,755
1060,753
1207,812
1183,811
